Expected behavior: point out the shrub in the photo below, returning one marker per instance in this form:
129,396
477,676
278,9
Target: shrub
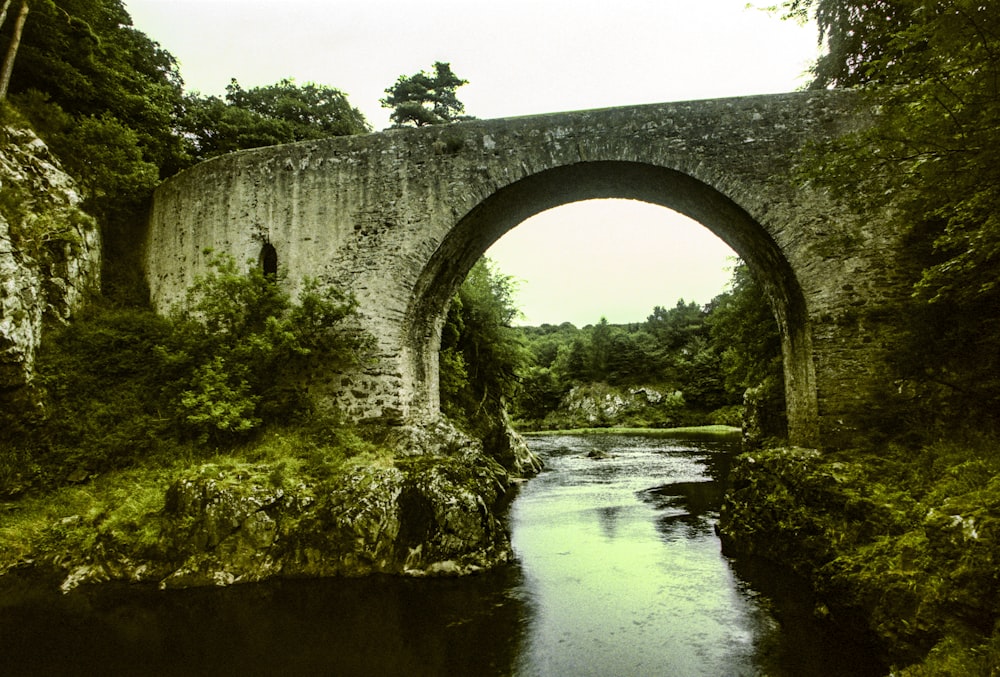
242,349
122,385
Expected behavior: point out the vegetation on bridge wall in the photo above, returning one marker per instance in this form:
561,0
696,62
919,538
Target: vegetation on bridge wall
902,535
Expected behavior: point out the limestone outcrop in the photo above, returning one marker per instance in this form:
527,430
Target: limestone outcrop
50,253
595,405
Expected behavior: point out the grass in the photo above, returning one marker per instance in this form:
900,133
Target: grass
71,517
125,505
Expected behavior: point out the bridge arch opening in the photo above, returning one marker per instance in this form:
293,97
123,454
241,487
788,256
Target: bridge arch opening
511,205
616,259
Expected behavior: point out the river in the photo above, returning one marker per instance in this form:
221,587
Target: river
619,573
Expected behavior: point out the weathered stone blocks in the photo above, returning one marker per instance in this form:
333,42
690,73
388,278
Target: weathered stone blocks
400,217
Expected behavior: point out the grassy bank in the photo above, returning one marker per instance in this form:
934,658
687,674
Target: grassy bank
125,504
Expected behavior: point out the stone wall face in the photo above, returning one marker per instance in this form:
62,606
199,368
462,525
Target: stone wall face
399,218
42,278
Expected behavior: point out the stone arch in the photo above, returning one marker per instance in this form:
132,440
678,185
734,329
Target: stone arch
510,205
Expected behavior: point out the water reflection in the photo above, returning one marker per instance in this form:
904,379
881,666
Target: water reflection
687,509
608,518
623,573
375,626
620,574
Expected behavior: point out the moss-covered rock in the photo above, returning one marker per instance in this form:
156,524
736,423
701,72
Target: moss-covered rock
220,525
906,550
50,255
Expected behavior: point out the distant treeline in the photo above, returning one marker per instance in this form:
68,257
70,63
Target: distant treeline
710,354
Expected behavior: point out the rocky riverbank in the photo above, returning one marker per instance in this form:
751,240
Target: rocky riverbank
439,512
903,548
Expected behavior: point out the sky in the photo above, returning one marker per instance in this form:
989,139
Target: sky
577,263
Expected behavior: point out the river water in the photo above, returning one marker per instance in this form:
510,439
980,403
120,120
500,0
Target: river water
619,573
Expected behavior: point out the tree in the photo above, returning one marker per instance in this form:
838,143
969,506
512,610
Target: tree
745,335
8,62
675,327
284,112
930,162
481,354
425,99
104,97
85,57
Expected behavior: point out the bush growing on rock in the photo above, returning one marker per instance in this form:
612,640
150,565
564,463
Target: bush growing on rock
122,384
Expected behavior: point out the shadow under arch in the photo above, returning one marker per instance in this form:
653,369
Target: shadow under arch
509,206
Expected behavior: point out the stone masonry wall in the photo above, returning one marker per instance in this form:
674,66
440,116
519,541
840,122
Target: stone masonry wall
399,217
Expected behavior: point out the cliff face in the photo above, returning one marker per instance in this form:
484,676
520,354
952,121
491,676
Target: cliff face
50,254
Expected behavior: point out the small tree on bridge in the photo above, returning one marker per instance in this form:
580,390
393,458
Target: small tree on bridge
425,99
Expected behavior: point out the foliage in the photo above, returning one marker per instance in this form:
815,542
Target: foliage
84,430
123,508
711,355
109,103
265,116
481,353
929,163
88,60
425,98
742,327
745,336
227,367
905,540
104,98
242,348
35,225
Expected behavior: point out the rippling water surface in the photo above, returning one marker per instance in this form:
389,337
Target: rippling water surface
619,573
623,573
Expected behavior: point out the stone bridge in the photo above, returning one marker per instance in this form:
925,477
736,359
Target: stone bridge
399,218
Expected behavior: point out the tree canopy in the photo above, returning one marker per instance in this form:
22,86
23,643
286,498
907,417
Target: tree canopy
425,98
264,116
110,103
709,355
930,163
481,353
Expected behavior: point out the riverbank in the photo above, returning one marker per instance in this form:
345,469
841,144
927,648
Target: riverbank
903,545
284,507
721,430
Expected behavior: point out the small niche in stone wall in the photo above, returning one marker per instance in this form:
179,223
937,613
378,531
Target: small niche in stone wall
269,260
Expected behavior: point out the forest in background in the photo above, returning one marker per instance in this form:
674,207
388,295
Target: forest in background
695,362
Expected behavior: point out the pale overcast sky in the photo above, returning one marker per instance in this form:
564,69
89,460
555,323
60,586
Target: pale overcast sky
579,262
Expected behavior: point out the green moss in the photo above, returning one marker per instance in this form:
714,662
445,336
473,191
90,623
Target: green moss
908,540
120,510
